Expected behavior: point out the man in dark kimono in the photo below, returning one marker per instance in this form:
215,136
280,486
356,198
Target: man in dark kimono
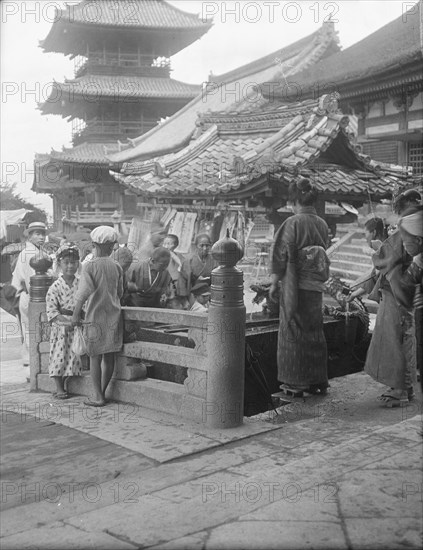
148,280
197,267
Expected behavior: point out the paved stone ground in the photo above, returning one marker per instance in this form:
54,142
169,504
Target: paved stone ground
327,472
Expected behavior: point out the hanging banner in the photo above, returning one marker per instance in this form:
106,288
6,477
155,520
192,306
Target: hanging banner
176,224
168,216
139,239
229,222
187,233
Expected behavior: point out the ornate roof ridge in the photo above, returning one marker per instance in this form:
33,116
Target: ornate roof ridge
322,36
172,161
397,46
109,13
292,149
76,154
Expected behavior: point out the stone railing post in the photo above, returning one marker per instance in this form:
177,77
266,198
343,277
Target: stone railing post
39,284
224,406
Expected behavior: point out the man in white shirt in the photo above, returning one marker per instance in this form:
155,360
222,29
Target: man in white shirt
199,297
36,233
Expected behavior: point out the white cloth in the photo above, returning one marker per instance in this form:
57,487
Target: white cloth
20,280
199,308
104,234
413,224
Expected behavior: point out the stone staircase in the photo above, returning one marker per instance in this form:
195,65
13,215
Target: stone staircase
352,258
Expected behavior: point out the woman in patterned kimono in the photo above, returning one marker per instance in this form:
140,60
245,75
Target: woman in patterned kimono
60,301
101,288
300,263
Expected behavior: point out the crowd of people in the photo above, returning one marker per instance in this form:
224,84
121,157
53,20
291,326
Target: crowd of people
299,269
89,290
90,287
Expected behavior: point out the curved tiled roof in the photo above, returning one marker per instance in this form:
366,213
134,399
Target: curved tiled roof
73,27
176,132
51,171
93,153
144,14
389,50
63,96
234,153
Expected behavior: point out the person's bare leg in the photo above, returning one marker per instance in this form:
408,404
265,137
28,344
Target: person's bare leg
108,368
95,370
58,380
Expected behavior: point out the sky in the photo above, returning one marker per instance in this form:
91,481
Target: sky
242,32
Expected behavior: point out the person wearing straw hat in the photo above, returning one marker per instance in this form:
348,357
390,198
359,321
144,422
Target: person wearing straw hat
101,288
36,234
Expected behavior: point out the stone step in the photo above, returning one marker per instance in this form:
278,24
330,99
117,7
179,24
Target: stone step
348,276
355,258
354,249
158,395
357,241
348,267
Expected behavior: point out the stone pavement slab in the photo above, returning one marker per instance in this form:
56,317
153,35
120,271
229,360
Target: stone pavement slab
229,495
156,435
217,505
58,535
384,533
284,534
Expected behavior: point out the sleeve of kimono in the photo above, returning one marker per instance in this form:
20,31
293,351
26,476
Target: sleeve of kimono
120,282
133,274
184,279
52,303
86,283
367,281
389,254
283,246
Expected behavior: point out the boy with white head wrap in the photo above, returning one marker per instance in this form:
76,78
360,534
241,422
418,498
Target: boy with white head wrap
101,288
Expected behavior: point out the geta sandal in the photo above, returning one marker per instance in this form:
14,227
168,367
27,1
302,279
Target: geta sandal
391,401
62,396
95,403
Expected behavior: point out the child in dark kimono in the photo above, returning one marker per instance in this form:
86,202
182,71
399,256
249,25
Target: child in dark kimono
101,288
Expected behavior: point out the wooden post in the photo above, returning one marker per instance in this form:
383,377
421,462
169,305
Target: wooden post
224,407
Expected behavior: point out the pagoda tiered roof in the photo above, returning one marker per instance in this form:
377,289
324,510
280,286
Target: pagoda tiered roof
243,155
219,95
391,57
60,169
71,97
177,29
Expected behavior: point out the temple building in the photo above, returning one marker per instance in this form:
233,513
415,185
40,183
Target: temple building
312,113
380,83
232,93
239,166
121,89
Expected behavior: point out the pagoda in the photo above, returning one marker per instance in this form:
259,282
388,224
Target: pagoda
121,89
